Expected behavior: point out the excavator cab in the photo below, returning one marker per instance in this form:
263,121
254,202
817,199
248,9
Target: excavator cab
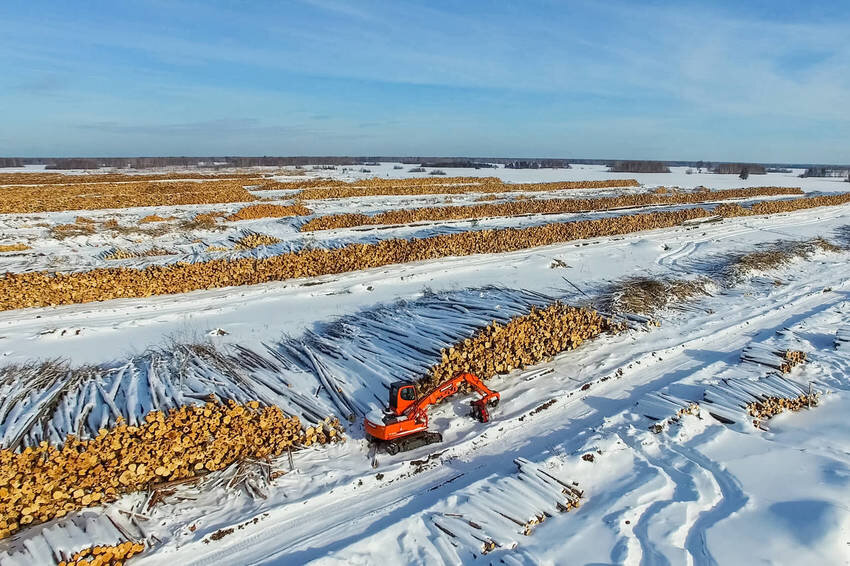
402,395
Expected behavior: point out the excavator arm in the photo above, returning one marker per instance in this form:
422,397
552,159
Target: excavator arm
451,386
405,427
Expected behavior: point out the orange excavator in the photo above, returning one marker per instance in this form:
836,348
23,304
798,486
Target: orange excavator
404,426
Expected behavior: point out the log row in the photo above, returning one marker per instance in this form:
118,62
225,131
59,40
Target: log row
87,196
553,206
254,240
771,406
452,186
781,360
19,247
34,289
61,179
154,218
120,253
523,341
105,555
270,211
378,182
46,482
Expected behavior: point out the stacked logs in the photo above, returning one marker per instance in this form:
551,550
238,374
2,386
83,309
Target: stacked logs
154,218
19,247
781,360
253,240
452,186
91,196
105,555
21,290
375,183
525,340
119,253
60,179
770,406
795,357
517,208
270,211
45,482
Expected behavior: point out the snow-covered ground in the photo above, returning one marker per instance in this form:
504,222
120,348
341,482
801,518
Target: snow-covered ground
697,492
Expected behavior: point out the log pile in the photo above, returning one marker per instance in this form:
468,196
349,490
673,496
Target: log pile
154,218
771,406
119,253
731,400
104,555
19,247
45,482
61,179
781,360
270,211
21,290
451,186
254,240
92,196
525,340
549,206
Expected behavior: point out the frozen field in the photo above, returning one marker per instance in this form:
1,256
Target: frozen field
647,430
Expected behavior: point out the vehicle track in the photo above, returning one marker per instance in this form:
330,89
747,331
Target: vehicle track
799,301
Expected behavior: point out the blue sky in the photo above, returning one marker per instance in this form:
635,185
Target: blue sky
764,81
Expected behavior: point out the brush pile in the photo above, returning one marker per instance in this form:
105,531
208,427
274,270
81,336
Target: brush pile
525,340
549,206
91,196
21,290
646,296
777,255
270,211
449,186
104,555
45,482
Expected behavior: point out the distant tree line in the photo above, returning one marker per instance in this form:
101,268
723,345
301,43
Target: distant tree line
458,164
738,168
825,172
11,162
638,167
75,163
157,162
538,164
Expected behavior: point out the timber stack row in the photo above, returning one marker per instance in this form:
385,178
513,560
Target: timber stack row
87,196
517,208
525,340
270,211
771,406
33,289
104,555
45,482
452,186
61,179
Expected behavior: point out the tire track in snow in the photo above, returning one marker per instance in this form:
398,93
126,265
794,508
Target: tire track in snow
732,497
685,489
390,506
